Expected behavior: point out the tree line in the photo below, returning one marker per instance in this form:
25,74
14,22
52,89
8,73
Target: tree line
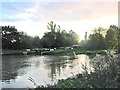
103,39
12,39
54,38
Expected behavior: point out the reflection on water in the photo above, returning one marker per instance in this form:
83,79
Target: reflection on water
16,69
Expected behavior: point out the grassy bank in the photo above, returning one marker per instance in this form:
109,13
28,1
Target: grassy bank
77,51
59,51
93,80
105,75
12,51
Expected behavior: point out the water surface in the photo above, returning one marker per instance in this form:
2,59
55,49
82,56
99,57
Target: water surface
48,69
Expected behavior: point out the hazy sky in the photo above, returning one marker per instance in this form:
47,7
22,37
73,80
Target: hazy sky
78,15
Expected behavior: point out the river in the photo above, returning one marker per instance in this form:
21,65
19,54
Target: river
47,69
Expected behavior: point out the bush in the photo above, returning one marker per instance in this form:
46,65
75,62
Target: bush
106,73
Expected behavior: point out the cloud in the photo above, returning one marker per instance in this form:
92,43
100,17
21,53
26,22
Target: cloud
16,11
32,17
80,11
59,11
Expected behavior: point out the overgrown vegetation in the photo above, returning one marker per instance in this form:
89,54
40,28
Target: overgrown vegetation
55,37
100,39
103,39
105,75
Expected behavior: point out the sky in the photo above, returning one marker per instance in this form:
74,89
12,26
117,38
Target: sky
79,15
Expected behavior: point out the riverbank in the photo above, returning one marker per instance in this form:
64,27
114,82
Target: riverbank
93,80
10,52
55,52
77,51
105,75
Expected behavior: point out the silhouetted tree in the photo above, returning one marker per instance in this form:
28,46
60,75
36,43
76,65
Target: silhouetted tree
57,37
10,38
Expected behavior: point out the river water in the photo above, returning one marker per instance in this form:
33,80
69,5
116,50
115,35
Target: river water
47,69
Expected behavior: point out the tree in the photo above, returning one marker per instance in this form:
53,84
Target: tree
57,37
118,40
74,37
26,41
100,30
96,42
10,38
45,42
51,26
112,37
84,44
36,42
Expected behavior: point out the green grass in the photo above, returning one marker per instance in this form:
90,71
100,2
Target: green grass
59,51
78,51
12,51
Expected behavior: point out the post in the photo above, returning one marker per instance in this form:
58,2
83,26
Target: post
75,55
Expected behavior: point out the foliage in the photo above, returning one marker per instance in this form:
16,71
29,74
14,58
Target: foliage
112,37
106,74
12,39
100,30
103,39
57,37
118,40
98,40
